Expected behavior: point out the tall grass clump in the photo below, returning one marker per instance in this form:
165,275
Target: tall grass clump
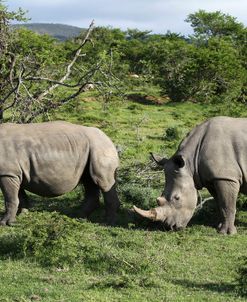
172,133
49,238
56,241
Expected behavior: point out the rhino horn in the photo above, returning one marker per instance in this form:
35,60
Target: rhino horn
151,214
158,159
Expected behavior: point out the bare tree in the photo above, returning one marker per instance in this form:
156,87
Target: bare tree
33,104
7,59
28,90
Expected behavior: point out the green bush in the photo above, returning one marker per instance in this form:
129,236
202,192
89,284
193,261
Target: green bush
172,134
242,201
139,195
50,238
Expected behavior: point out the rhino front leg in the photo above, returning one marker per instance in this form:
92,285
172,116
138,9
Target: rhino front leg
112,205
92,192
103,172
218,213
227,193
24,203
10,188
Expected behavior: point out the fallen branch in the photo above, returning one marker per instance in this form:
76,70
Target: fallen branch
202,202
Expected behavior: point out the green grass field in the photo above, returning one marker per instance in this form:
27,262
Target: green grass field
50,255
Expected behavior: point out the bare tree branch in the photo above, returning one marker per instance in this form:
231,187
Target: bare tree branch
29,87
55,105
16,91
71,64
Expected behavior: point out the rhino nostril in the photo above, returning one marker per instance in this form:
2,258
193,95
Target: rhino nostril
161,201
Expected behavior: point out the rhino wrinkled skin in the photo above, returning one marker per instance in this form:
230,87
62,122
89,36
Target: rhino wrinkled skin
213,155
50,159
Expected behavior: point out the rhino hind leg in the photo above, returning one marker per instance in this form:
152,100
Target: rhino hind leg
227,192
10,187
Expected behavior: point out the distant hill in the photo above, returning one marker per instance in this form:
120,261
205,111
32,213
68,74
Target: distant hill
61,32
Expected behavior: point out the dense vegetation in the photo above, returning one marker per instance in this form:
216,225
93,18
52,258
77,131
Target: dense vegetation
51,254
207,67
61,32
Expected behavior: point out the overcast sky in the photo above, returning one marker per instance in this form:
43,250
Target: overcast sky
156,15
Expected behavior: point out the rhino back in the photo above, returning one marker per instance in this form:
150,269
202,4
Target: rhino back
48,158
223,153
217,149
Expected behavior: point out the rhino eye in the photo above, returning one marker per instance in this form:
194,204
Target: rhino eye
176,197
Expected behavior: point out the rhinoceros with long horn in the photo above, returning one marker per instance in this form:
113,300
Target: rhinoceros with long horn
50,159
213,155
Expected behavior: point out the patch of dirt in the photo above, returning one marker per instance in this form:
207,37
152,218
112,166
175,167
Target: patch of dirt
88,99
148,99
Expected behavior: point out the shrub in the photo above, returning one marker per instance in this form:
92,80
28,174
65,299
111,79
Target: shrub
140,196
172,134
242,201
51,239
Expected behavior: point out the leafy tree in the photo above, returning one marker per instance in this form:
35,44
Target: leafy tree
208,67
42,48
133,54
220,73
215,24
5,18
174,67
231,46
107,45
172,36
211,72
136,34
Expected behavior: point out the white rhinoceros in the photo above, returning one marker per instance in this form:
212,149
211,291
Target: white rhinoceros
50,159
212,155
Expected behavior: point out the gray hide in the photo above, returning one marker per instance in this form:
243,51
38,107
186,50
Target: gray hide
50,159
213,155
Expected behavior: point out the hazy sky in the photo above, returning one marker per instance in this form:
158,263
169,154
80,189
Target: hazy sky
156,15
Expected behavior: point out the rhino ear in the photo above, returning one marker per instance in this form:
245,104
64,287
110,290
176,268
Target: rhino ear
158,159
179,161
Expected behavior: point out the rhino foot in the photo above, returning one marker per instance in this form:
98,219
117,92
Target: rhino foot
111,220
8,222
2,223
23,211
225,229
88,208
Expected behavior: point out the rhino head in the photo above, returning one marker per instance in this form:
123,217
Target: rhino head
177,203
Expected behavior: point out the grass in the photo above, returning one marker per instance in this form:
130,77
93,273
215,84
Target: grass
120,264
50,255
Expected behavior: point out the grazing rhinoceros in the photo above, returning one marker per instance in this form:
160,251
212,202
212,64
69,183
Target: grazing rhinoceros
212,155
50,159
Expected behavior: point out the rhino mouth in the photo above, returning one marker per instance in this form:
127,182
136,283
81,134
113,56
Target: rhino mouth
170,218
173,225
